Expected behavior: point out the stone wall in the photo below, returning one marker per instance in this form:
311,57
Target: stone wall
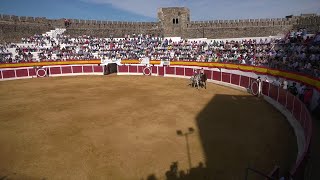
13,32
238,28
173,22
111,28
235,32
312,23
13,28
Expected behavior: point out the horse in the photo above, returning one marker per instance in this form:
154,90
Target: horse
195,80
199,80
203,80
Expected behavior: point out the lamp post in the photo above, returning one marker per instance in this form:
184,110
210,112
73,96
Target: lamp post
186,134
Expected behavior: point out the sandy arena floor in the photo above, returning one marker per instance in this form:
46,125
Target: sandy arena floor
124,127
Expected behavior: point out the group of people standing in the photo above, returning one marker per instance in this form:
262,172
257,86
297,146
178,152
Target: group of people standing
303,92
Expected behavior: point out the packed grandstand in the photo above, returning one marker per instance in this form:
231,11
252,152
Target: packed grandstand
298,51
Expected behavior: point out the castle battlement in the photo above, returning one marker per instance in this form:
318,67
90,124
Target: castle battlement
172,22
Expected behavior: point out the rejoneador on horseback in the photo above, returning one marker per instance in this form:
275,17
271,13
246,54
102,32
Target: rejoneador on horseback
199,79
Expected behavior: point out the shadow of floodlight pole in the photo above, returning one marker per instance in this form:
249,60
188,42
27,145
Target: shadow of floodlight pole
186,134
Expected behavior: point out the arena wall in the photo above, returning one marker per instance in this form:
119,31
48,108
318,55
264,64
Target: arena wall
262,71
49,71
13,28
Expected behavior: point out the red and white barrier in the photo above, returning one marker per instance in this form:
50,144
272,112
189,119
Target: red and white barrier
51,71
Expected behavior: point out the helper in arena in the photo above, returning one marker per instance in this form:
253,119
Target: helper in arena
259,86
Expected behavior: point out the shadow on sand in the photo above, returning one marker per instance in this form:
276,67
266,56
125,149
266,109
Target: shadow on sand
199,172
237,132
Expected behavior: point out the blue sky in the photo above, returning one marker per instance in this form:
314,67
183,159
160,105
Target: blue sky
146,10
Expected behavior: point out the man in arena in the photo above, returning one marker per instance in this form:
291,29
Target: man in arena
259,80
301,91
293,89
201,71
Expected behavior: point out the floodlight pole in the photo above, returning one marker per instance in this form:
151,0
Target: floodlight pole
188,149
186,134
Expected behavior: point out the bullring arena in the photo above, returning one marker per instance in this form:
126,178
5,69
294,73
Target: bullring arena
124,127
95,99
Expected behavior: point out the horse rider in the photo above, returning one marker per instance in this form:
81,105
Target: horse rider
203,77
202,71
195,73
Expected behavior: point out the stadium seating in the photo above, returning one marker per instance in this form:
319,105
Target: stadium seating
298,51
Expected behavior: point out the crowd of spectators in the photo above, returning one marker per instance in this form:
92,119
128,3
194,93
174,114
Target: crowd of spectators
21,54
5,55
299,53
296,52
38,40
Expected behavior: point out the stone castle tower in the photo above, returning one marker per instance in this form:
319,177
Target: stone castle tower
174,20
